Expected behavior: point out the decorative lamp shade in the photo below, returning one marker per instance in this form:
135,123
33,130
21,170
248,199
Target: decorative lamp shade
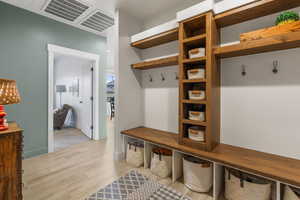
9,93
61,88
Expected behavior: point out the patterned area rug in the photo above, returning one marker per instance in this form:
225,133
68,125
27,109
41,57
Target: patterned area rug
135,186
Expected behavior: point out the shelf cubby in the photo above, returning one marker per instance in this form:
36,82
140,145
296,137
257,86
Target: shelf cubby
156,63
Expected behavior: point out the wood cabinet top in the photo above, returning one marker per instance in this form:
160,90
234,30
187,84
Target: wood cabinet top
13,127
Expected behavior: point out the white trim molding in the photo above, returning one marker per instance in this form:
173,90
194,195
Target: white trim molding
52,51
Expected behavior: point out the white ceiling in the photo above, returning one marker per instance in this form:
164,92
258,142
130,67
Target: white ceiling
141,9
106,6
147,9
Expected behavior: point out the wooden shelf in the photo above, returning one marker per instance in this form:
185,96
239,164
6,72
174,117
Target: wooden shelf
186,101
283,169
254,10
194,122
195,41
156,40
194,60
194,80
162,62
277,42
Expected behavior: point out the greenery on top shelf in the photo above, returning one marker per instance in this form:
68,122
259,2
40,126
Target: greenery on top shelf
287,17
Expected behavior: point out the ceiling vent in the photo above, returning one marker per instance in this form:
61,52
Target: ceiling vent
98,21
67,9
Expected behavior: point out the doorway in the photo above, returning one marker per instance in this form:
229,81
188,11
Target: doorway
73,103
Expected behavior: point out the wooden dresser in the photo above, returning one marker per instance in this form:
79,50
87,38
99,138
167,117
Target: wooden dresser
11,163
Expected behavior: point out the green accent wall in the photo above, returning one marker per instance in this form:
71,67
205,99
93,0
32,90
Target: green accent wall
24,57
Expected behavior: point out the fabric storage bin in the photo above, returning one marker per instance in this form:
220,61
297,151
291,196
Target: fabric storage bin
196,134
197,174
240,185
196,94
196,53
291,193
135,154
196,74
161,162
198,116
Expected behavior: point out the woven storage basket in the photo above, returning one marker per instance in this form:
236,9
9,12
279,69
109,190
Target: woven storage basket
196,94
291,193
161,162
135,154
195,115
241,186
198,174
196,74
196,133
196,53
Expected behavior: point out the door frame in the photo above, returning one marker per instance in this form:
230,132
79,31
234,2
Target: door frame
52,51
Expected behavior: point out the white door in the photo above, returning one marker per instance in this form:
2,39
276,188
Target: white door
86,101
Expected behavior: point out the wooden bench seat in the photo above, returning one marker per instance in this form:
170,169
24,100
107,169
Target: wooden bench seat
279,168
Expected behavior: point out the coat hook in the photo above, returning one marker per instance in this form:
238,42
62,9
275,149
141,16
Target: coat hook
162,77
275,66
176,75
244,73
150,78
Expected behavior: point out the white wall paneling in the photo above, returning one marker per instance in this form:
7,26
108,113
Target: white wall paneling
260,110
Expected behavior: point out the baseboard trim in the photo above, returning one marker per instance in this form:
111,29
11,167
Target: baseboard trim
35,152
118,156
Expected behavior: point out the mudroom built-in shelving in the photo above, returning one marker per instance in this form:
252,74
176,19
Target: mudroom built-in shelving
198,32
203,31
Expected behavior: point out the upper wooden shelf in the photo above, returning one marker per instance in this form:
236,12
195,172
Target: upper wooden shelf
156,40
162,62
274,43
279,168
254,10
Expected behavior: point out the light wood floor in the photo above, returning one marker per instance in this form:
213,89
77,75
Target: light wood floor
76,172
67,137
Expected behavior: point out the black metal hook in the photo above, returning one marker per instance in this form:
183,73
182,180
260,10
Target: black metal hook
150,78
162,77
244,73
275,66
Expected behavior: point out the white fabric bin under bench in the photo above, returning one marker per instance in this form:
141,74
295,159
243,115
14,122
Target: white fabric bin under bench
245,187
291,194
198,174
135,154
161,162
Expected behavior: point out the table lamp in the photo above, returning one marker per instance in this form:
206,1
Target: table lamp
9,94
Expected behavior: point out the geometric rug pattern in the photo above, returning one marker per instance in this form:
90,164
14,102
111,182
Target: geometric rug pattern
135,186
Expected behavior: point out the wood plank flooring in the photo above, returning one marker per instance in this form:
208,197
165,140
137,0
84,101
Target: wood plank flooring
77,172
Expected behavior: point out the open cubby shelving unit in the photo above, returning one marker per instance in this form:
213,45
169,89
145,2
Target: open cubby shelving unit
204,31
199,32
